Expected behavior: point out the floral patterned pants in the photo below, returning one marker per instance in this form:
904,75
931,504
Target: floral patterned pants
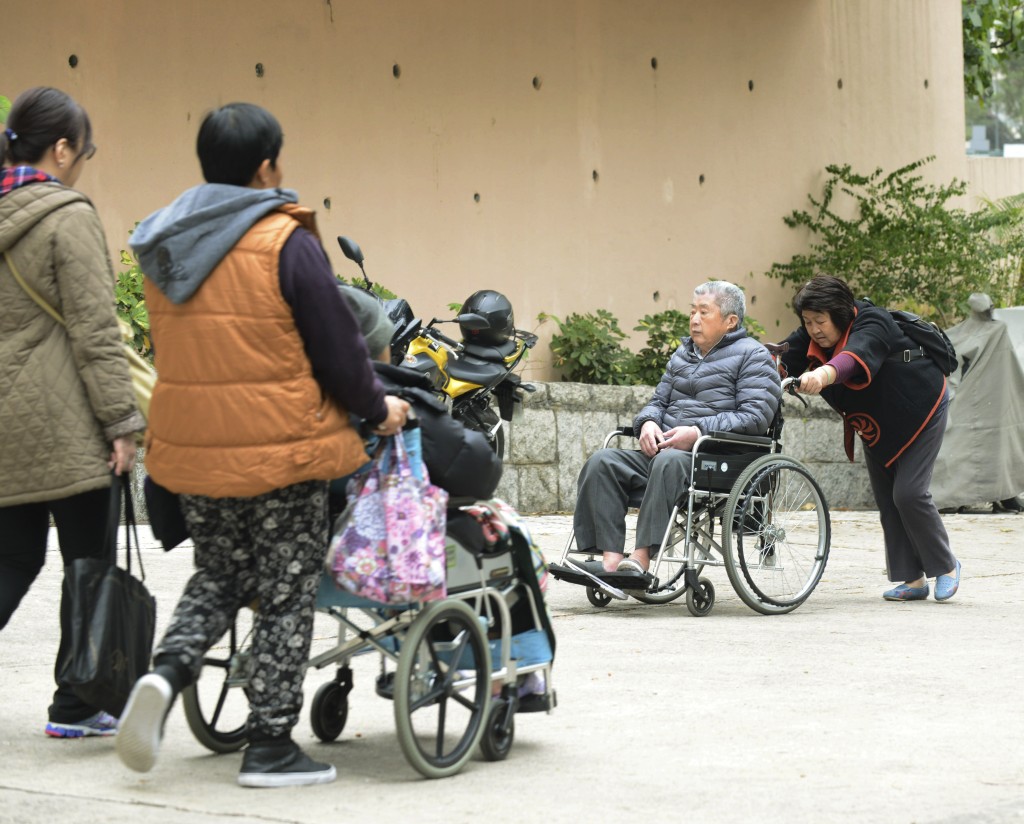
269,549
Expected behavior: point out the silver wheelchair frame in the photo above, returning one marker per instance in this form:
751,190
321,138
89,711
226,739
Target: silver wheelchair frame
455,666
773,539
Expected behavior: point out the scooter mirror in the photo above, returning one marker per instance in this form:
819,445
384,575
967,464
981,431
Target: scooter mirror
471,320
351,249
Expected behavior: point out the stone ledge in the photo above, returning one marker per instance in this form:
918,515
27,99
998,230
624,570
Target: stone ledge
562,424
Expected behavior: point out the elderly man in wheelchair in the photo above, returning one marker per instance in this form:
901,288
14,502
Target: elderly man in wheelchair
714,414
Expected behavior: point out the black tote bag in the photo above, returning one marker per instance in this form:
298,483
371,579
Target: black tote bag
113,620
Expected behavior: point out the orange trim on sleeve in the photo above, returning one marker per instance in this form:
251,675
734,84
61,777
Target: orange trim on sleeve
942,394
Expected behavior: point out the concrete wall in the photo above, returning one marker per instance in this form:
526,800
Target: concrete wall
562,424
577,155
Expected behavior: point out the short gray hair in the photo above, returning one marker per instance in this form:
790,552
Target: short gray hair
727,296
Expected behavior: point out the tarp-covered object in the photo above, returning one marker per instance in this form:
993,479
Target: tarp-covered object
982,455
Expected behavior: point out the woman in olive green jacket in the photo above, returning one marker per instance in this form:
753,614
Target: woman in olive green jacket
67,410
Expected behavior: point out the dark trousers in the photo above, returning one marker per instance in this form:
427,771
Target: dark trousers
268,549
86,528
607,482
916,541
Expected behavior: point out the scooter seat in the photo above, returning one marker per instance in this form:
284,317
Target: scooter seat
494,354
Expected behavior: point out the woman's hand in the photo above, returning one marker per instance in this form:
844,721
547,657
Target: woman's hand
122,459
811,383
651,438
398,412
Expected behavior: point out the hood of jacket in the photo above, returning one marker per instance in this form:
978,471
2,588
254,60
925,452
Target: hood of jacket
24,207
180,245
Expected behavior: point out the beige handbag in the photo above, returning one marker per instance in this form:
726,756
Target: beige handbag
143,375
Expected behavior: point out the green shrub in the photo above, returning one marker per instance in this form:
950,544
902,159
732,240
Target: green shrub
5,108
380,291
897,240
588,348
131,305
665,331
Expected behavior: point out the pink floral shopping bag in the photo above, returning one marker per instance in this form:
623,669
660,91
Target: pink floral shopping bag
390,544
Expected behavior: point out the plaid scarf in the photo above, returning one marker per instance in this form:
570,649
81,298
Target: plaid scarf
17,176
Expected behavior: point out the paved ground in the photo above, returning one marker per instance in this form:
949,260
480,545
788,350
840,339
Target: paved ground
850,709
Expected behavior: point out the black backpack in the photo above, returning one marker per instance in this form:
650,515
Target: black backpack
933,342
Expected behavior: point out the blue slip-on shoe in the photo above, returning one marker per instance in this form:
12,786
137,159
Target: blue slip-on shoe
905,593
101,723
947,585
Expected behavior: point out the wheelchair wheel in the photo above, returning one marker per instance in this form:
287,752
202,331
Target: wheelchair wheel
700,603
496,742
328,713
672,582
598,597
778,543
216,706
442,688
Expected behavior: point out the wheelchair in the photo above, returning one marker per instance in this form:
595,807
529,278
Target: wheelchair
454,669
747,507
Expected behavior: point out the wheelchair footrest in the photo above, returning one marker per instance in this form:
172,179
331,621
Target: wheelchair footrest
620,580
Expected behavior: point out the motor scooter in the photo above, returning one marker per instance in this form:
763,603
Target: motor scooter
466,373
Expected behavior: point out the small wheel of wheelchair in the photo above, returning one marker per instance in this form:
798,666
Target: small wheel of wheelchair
598,597
496,742
216,706
672,579
700,603
442,688
329,711
778,543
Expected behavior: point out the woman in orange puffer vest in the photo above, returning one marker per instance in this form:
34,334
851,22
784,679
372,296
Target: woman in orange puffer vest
248,422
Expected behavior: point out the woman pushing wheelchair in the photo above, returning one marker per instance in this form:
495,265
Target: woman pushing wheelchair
856,357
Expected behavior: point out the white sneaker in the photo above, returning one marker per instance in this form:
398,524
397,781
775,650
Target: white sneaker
142,723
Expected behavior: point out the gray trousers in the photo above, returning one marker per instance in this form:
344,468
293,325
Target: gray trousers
916,542
607,481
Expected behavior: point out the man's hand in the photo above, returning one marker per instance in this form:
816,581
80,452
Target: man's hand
651,438
680,437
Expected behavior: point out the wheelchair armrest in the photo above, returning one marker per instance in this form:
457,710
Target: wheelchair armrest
626,430
736,437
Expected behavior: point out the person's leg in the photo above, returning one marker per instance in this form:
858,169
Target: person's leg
912,496
82,523
23,534
669,479
225,579
289,528
901,560
602,498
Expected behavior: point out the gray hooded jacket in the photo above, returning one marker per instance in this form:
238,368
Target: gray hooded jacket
180,245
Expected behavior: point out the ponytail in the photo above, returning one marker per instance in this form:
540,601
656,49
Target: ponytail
38,119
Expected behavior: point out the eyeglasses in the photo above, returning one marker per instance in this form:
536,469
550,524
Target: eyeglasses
86,153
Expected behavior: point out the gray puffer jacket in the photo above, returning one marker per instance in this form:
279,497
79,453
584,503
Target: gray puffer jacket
65,393
734,388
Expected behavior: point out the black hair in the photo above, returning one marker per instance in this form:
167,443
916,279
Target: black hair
234,140
829,294
38,119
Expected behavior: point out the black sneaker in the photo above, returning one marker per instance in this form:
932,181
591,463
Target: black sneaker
282,764
1007,505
